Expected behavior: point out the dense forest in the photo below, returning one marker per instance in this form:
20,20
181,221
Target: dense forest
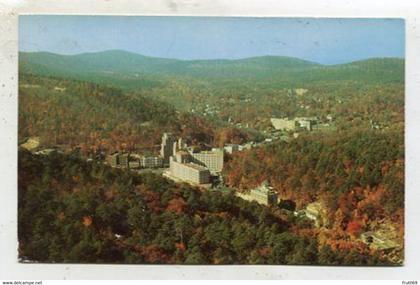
358,177
94,117
93,213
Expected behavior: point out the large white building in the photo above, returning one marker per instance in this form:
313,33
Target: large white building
187,165
181,168
294,124
283,124
189,172
213,159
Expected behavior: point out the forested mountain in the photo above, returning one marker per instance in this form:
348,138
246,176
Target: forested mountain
81,114
361,168
121,66
357,177
84,114
221,90
117,61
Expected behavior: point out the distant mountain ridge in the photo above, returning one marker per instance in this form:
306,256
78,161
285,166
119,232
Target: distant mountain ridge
127,62
130,70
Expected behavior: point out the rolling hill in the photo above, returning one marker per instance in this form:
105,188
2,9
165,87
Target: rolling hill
129,70
223,89
82,114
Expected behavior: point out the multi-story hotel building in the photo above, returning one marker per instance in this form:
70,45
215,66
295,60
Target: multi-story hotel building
213,160
167,147
189,172
187,165
180,167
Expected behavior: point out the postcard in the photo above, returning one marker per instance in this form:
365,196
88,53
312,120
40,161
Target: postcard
211,140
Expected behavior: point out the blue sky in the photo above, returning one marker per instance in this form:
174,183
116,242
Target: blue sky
327,41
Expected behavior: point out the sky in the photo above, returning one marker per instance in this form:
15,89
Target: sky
326,41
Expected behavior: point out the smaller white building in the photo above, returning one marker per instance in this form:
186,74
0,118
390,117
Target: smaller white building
231,148
264,194
151,161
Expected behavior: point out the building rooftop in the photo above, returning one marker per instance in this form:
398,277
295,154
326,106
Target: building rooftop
149,156
264,187
195,166
379,240
306,118
214,151
168,135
